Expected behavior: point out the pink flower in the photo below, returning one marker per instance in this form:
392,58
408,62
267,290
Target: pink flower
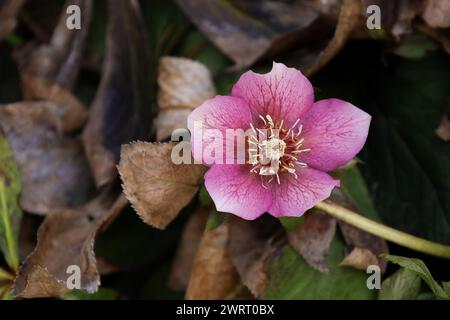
313,138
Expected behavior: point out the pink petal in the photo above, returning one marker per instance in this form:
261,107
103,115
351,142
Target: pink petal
335,131
219,113
283,93
294,196
235,190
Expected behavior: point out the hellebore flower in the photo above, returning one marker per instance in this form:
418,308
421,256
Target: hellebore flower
312,138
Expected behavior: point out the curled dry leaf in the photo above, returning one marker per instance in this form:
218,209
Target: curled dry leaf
358,239
66,238
122,108
183,84
48,72
59,61
53,168
246,31
184,257
313,237
406,12
252,246
9,10
243,31
359,258
437,13
73,111
443,131
213,273
396,20
156,187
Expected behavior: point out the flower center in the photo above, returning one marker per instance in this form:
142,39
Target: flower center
274,150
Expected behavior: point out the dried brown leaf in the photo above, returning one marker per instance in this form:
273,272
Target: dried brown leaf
53,168
359,258
355,237
246,30
49,71
74,113
443,131
252,246
9,10
169,120
213,273
403,14
40,284
65,238
358,238
437,13
122,108
184,257
313,237
183,84
58,62
156,187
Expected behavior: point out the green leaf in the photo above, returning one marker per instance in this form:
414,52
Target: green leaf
10,213
215,219
402,285
446,287
14,39
291,223
101,294
418,266
354,186
205,198
5,292
406,165
292,278
410,164
415,46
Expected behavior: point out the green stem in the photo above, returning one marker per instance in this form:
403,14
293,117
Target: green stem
401,238
10,243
